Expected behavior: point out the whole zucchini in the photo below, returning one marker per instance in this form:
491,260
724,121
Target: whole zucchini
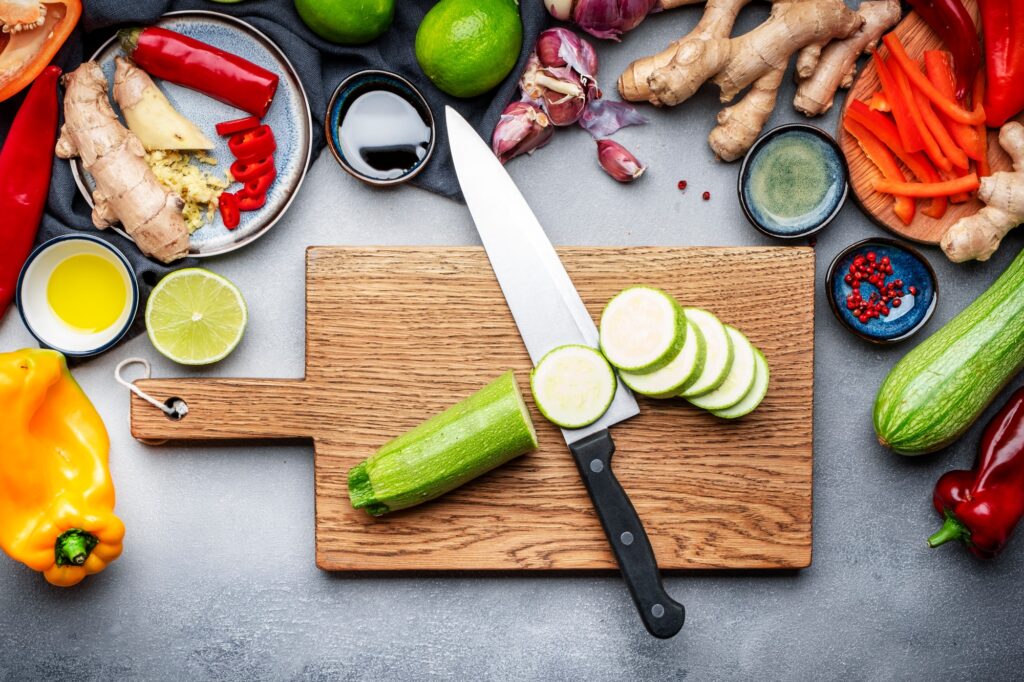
467,440
938,389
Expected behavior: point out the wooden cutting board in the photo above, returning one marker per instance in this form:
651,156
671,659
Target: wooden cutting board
395,335
916,37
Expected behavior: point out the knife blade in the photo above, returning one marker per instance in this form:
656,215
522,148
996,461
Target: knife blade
549,313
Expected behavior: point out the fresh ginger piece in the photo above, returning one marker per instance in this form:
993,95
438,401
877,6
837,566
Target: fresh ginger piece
835,66
150,115
126,189
978,236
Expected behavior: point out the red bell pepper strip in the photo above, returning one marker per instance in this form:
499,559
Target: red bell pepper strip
940,73
25,164
944,104
25,53
1002,22
883,159
238,125
931,147
228,204
244,171
253,144
982,507
879,102
885,130
967,183
196,65
909,134
950,150
954,26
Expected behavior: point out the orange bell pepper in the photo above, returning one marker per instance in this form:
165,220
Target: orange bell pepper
939,69
967,183
885,130
910,136
931,147
957,157
32,33
883,159
944,104
56,494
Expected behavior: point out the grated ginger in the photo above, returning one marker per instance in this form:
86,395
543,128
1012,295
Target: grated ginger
199,189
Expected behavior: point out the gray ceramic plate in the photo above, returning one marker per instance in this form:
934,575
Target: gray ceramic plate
289,118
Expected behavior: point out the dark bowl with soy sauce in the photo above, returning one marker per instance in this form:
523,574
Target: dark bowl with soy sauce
380,128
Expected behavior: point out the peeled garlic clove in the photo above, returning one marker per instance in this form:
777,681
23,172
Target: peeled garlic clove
618,162
522,127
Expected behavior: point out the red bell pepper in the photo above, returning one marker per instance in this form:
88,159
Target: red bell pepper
982,507
965,183
253,144
1002,22
25,164
948,106
196,65
27,47
228,204
238,125
910,136
880,155
954,26
940,72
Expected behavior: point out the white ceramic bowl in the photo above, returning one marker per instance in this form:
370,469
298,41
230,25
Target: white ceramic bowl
35,309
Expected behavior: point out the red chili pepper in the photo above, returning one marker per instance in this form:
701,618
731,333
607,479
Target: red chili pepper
1002,21
25,164
244,171
952,23
251,202
982,507
228,204
194,64
253,144
238,125
261,184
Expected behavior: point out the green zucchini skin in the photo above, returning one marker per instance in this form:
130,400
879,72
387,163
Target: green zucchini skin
940,388
482,432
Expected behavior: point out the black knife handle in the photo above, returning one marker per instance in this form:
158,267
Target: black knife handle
662,616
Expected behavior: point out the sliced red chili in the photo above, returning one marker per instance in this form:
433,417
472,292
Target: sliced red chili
238,125
261,184
253,144
251,202
229,210
244,171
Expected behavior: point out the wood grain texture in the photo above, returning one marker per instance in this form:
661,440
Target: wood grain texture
394,335
916,37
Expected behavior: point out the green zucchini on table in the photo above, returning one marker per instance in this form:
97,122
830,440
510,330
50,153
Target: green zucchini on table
938,390
482,432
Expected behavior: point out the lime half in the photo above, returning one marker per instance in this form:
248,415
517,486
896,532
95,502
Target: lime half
195,317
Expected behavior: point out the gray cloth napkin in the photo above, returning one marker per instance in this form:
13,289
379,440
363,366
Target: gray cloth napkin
320,65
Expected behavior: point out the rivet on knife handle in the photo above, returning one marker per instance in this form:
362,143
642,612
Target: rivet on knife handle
662,616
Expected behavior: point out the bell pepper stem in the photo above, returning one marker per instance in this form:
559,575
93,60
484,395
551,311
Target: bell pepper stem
74,546
951,530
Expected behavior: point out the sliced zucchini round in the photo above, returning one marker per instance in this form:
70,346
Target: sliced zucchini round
670,379
642,329
739,380
718,353
756,393
573,386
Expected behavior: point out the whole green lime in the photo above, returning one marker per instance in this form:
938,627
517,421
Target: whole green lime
347,22
466,47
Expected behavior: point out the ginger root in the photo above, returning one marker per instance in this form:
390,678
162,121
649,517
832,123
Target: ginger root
820,72
977,237
757,59
126,188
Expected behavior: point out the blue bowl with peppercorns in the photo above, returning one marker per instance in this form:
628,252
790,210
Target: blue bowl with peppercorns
882,290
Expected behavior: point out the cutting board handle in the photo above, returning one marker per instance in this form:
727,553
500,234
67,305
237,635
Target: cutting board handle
226,409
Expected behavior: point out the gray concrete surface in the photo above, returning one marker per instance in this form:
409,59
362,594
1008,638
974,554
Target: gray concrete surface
218,579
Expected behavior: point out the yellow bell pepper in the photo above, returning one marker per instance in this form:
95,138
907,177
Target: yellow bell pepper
56,494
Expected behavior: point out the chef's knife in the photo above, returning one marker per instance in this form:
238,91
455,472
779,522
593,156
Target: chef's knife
549,313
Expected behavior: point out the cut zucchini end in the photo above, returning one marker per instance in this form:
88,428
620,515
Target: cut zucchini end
752,400
524,410
360,491
642,329
573,386
740,379
718,353
668,381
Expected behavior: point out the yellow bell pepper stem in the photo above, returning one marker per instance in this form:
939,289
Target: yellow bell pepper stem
56,494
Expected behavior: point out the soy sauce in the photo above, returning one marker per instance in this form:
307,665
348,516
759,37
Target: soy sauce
383,135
